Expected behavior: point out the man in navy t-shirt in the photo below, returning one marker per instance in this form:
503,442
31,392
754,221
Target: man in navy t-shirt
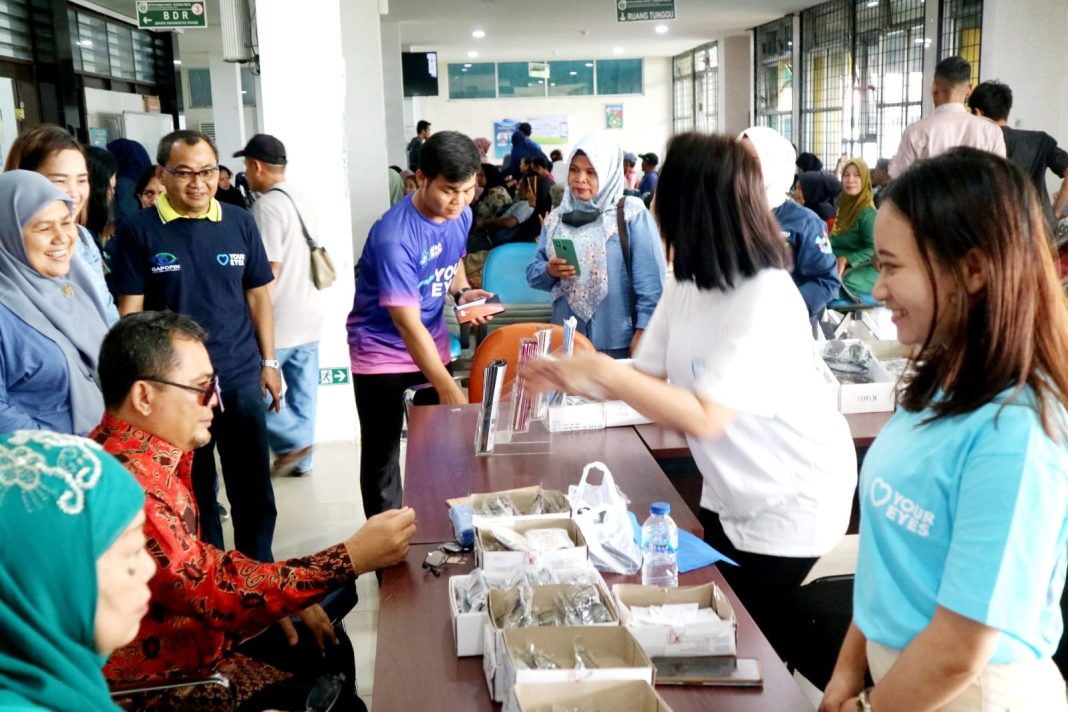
397,335
194,256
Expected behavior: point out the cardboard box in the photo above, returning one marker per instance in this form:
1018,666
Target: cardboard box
468,628
626,696
593,416
873,397
711,638
524,501
618,655
498,605
508,561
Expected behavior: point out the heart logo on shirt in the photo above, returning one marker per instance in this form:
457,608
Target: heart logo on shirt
222,258
880,492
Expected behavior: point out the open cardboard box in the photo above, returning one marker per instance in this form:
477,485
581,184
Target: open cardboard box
509,561
626,696
498,605
617,654
524,501
468,628
875,397
711,638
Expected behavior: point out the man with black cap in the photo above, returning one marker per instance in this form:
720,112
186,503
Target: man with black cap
194,256
647,186
286,221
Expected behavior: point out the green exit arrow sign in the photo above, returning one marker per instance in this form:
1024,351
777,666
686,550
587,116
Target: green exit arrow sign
157,14
333,376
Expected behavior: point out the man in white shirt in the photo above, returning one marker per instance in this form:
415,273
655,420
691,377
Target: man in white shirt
951,124
287,221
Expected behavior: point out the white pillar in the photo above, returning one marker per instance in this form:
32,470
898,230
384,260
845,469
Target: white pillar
302,95
365,117
736,83
228,111
393,89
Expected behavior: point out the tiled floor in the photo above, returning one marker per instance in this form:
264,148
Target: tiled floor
319,511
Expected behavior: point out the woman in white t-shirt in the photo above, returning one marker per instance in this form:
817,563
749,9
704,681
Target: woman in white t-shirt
728,359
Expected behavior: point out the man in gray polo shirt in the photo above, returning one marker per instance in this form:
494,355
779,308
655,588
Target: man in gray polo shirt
298,308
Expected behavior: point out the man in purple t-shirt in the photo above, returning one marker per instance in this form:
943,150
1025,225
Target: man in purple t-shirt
397,335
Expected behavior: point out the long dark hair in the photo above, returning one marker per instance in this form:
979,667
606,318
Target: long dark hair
713,212
1014,332
102,168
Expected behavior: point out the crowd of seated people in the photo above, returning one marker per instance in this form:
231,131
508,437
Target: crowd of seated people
711,291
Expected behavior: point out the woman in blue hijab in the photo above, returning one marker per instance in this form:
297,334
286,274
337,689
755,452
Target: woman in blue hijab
74,571
611,294
133,161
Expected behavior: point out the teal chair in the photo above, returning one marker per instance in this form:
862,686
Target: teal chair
505,274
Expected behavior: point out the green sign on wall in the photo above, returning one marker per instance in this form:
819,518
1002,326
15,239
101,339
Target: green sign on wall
333,376
158,14
644,10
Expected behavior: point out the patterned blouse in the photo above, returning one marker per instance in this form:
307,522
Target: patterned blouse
204,601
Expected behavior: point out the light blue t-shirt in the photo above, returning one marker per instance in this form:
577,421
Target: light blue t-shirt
968,513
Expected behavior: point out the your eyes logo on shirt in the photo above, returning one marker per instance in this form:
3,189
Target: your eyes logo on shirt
164,262
430,254
900,509
439,281
232,259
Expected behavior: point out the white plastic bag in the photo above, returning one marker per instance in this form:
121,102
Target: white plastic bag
601,513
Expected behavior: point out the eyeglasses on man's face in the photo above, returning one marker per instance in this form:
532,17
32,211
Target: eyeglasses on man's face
206,392
185,175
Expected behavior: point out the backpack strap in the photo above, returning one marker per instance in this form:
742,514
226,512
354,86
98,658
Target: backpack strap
624,245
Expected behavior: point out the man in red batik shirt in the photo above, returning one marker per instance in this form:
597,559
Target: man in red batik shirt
159,389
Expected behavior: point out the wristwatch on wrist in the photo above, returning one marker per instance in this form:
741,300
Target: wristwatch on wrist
459,293
270,363
863,702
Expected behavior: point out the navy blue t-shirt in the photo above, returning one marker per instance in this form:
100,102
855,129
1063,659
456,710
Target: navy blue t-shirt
199,268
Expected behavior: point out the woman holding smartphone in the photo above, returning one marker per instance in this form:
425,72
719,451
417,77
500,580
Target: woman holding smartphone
727,359
580,257
964,494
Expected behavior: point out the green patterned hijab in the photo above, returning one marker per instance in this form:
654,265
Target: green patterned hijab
63,503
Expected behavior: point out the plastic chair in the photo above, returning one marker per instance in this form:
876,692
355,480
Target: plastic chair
504,344
505,274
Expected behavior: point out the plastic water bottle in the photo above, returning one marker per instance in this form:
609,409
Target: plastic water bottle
660,547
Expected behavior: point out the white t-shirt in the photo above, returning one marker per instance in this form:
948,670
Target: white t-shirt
298,308
782,475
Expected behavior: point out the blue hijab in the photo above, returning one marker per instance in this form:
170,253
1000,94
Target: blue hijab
132,158
63,503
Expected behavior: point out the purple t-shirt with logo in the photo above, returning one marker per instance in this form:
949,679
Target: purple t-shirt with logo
408,261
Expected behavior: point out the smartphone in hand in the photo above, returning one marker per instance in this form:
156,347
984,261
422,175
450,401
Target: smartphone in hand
466,313
565,249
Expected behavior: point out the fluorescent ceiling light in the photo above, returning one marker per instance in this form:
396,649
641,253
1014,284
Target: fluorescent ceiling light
589,64
467,64
574,74
472,54
478,34
661,29
617,50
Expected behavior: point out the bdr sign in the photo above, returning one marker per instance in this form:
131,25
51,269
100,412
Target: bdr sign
157,14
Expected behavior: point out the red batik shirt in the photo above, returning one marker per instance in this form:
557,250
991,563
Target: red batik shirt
204,601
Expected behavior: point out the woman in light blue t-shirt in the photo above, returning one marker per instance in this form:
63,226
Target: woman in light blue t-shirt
964,494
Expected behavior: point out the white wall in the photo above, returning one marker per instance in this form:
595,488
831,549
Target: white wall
101,101
646,118
9,127
1024,46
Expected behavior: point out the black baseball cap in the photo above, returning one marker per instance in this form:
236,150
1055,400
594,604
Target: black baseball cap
650,158
266,148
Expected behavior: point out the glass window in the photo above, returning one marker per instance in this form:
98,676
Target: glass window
473,80
774,77
571,78
248,87
91,43
199,88
521,78
121,51
14,30
144,59
619,76
962,32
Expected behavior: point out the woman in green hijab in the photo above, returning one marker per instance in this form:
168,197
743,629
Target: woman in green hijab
853,236
73,569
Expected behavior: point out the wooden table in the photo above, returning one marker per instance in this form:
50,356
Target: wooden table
441,463
416,667
665,443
